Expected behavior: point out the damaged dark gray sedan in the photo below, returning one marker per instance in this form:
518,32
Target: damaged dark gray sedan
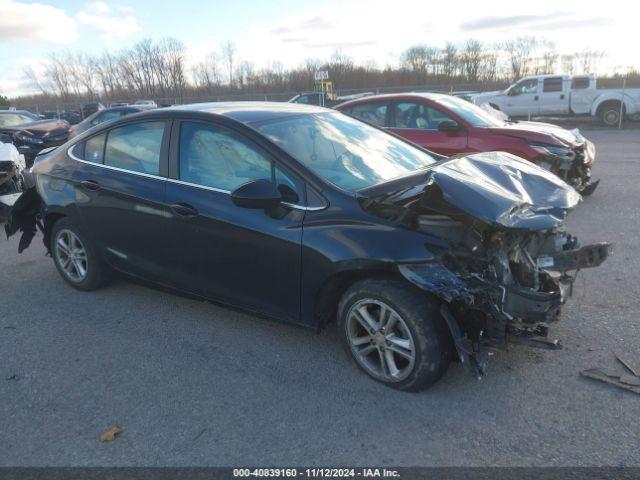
307,216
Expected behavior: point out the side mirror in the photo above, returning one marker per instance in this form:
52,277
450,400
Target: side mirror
449,126
256,194
512,92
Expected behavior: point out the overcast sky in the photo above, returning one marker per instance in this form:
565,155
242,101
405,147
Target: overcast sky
288,31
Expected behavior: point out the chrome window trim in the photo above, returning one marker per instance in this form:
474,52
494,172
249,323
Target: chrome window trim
109,167
181,182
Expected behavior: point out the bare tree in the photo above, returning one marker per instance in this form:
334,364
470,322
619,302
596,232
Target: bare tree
548,57
520,52
206,74
228,50
450,60
471,58
415,58
588,59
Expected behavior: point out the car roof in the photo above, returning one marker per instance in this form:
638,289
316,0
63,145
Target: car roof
249,112
19,112
392,96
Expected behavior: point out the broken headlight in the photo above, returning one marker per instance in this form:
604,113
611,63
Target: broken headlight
551,151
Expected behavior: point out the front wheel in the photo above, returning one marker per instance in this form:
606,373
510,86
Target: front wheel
74,256
395,333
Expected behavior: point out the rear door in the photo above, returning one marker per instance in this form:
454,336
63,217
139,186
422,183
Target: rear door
244,257
418,122
120,182
554,98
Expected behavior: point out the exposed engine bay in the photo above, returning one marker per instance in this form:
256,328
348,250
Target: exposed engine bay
501,260
12,164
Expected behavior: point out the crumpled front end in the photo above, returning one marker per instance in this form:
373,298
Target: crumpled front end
500,258
572,164
509,286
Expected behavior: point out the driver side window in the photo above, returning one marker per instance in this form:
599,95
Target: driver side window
525,86
219,158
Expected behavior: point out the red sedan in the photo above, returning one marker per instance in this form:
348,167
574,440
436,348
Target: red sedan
448,125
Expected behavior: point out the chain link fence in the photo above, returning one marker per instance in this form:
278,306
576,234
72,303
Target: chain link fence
58,107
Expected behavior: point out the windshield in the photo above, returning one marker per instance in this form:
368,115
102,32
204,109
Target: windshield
13,119
476,116
344,151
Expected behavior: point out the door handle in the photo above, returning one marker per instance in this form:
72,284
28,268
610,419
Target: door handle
536,97
184,210
562,96
90,185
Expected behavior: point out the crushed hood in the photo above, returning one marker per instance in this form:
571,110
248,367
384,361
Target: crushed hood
496,188
539,132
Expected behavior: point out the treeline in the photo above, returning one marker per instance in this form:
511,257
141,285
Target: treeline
159,70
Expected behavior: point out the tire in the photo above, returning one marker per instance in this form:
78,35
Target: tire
610,114
417,331
66,232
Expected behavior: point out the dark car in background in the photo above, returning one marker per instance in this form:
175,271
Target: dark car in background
91,108
106,115
72,117
31,134
450,126
305,215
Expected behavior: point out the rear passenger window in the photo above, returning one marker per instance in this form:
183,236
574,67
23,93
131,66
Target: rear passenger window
553,84
579,83
373,113
135,147
418,116
94,149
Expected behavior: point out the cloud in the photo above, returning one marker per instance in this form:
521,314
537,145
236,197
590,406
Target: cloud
317,22
342,45
550,21
35,23
486,23
110,24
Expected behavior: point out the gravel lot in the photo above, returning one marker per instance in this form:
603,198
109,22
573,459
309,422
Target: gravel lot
195,384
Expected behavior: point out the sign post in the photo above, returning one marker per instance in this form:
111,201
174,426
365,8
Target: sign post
321,76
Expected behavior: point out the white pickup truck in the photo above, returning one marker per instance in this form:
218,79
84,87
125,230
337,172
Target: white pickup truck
563,95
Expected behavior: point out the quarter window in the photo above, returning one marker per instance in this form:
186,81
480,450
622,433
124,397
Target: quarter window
553,84
94,149
579,83
418,116
135,147
373,113
219,158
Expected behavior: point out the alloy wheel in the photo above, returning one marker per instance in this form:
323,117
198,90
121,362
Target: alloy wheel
71,255
380,340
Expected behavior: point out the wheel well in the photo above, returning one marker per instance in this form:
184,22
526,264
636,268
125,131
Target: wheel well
610,103
49,221
326,301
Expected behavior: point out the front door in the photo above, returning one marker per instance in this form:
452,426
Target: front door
245,257
418,123
523,99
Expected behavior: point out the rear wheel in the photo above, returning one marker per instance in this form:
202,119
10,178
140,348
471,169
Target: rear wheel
394,333
74,256
610,113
